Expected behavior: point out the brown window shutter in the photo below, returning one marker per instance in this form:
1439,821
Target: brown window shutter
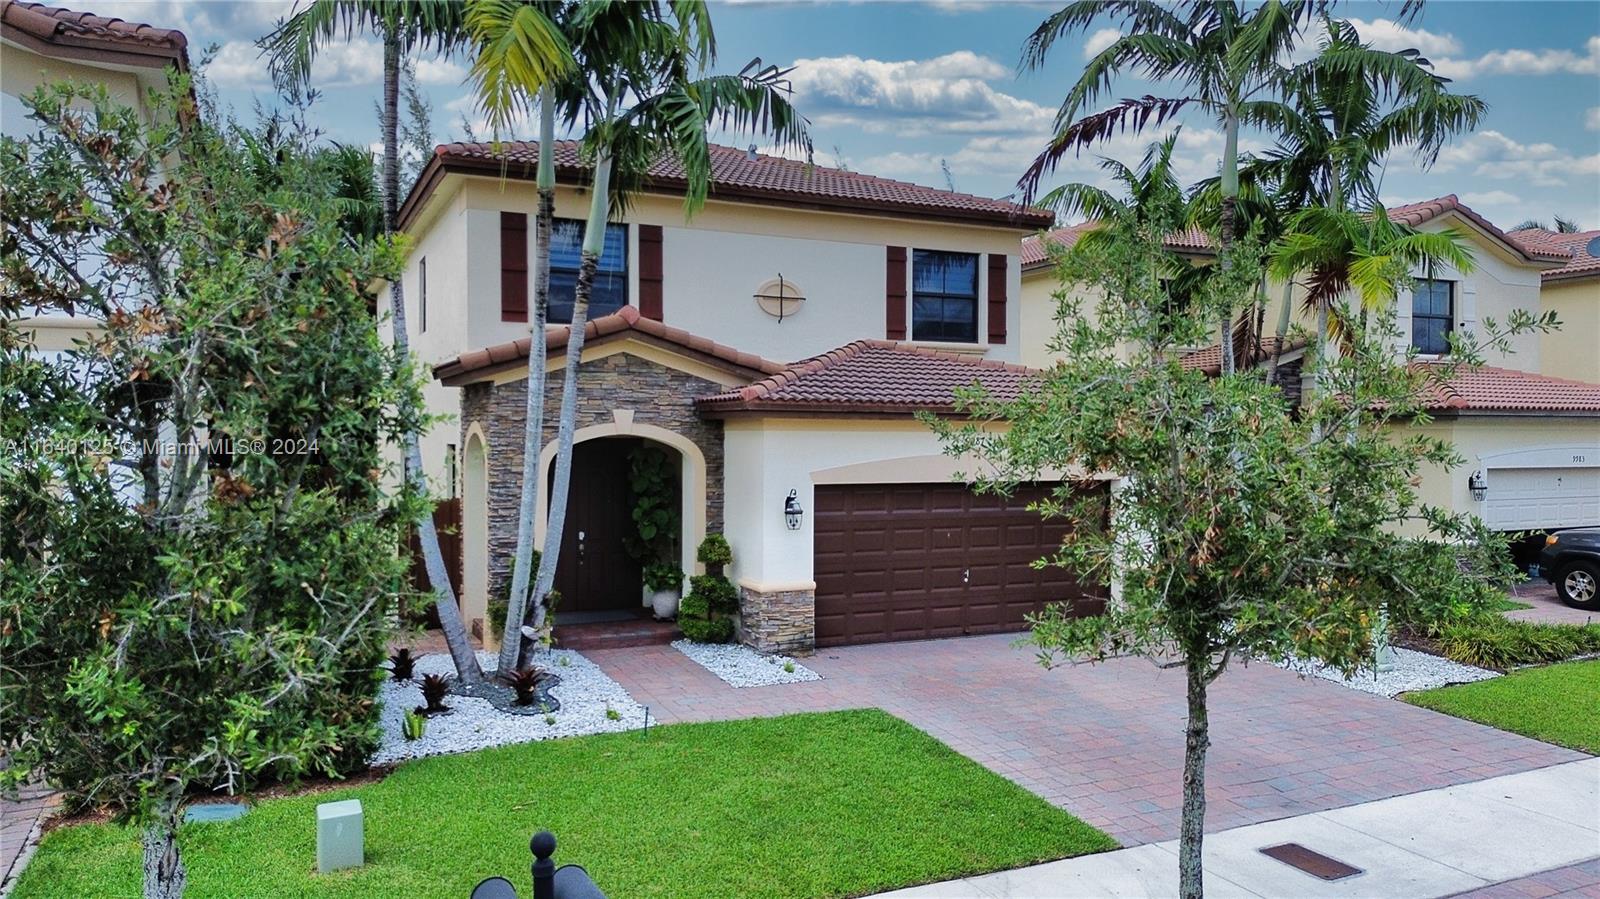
513,266
895,295
650,271
997,298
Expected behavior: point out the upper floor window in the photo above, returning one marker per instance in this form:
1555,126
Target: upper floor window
1433,312
610,279
944,296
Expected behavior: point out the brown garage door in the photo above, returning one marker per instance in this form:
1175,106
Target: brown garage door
917,561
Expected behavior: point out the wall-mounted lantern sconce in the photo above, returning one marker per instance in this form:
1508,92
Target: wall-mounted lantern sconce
792,511
1478,485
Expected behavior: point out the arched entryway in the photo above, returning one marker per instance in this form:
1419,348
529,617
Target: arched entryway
475,531
596,573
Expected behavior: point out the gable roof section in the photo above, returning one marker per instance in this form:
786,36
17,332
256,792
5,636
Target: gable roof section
63,33
1582,263
1209,359
1417,213
480,365
1192,241
1489,389
871,376
735,175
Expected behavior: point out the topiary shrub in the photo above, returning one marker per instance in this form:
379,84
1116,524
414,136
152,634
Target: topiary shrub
706,614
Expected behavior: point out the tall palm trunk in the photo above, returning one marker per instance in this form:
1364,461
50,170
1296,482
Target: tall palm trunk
455,634
594,238
1282,330
1225,236
533,429
1191,832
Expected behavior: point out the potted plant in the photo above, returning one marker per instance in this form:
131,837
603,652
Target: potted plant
664,581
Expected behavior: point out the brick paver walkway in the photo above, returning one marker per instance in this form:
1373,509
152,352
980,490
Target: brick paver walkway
1571,882
17,820
1106,741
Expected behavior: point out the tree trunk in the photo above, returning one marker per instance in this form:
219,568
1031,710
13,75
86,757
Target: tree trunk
1191,832
1225,236
455,633
533,413
164,874
593,243
1282,330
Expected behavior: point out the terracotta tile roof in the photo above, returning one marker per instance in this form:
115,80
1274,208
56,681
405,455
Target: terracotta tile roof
52,30
1576,247
1209,359
1489,389
737,176
872,376
480,364
1192,240
1417,213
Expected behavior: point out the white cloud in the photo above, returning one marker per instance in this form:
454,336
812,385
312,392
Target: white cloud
1491,154
440,71
1387,34
239,64
1100,40
911,98
1591,119
346,64
1526,62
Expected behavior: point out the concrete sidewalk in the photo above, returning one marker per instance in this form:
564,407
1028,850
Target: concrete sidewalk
1433,843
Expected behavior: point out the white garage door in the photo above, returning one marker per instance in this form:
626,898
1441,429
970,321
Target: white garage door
1524,499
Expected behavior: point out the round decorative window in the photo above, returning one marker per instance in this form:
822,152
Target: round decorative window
780,298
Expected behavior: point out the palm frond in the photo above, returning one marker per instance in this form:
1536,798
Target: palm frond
1129,114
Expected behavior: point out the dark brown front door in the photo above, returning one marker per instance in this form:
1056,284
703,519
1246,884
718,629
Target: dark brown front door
918,561
595,573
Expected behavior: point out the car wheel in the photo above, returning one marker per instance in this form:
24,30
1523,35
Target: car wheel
1579,586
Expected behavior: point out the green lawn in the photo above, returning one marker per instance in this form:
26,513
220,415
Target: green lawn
834,804
1556,703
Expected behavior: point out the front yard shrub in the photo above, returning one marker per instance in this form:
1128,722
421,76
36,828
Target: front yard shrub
706,614
1501,643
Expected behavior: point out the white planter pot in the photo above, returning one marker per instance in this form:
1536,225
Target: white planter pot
664,603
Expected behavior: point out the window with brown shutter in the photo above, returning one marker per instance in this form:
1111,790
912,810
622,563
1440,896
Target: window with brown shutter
650,299
997,298
514,266
895,295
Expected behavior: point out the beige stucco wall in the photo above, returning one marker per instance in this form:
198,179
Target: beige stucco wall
1478,439
1574,350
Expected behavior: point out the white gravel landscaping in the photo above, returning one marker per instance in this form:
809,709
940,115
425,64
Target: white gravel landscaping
1412,671
742,666
585,693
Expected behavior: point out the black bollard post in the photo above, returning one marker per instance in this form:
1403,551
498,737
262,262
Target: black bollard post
543,845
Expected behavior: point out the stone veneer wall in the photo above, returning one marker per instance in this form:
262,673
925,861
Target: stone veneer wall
785,621
658,395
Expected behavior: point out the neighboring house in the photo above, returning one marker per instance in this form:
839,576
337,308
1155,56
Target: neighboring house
1573,293
42,45
889,294
1527,424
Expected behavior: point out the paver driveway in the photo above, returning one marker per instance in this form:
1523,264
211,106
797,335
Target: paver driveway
1106,741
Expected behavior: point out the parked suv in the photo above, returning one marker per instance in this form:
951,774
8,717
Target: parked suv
1571,561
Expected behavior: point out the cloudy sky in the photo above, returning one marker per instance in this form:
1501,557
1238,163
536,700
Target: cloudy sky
908,90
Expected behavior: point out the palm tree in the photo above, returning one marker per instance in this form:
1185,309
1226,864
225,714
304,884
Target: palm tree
642,97
521,51
404,26
1353,106
1227,55
1342,252
1563,226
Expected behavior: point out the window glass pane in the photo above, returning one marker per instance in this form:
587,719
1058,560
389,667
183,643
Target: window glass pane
563,287
614,256
566,244
610,291
951,273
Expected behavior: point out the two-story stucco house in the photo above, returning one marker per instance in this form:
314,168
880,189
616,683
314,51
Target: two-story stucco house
1527,424
42,45
778,345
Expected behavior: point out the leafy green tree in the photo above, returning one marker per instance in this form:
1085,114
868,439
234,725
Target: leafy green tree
198,552
403,27
1244,529
643,97
1562,226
